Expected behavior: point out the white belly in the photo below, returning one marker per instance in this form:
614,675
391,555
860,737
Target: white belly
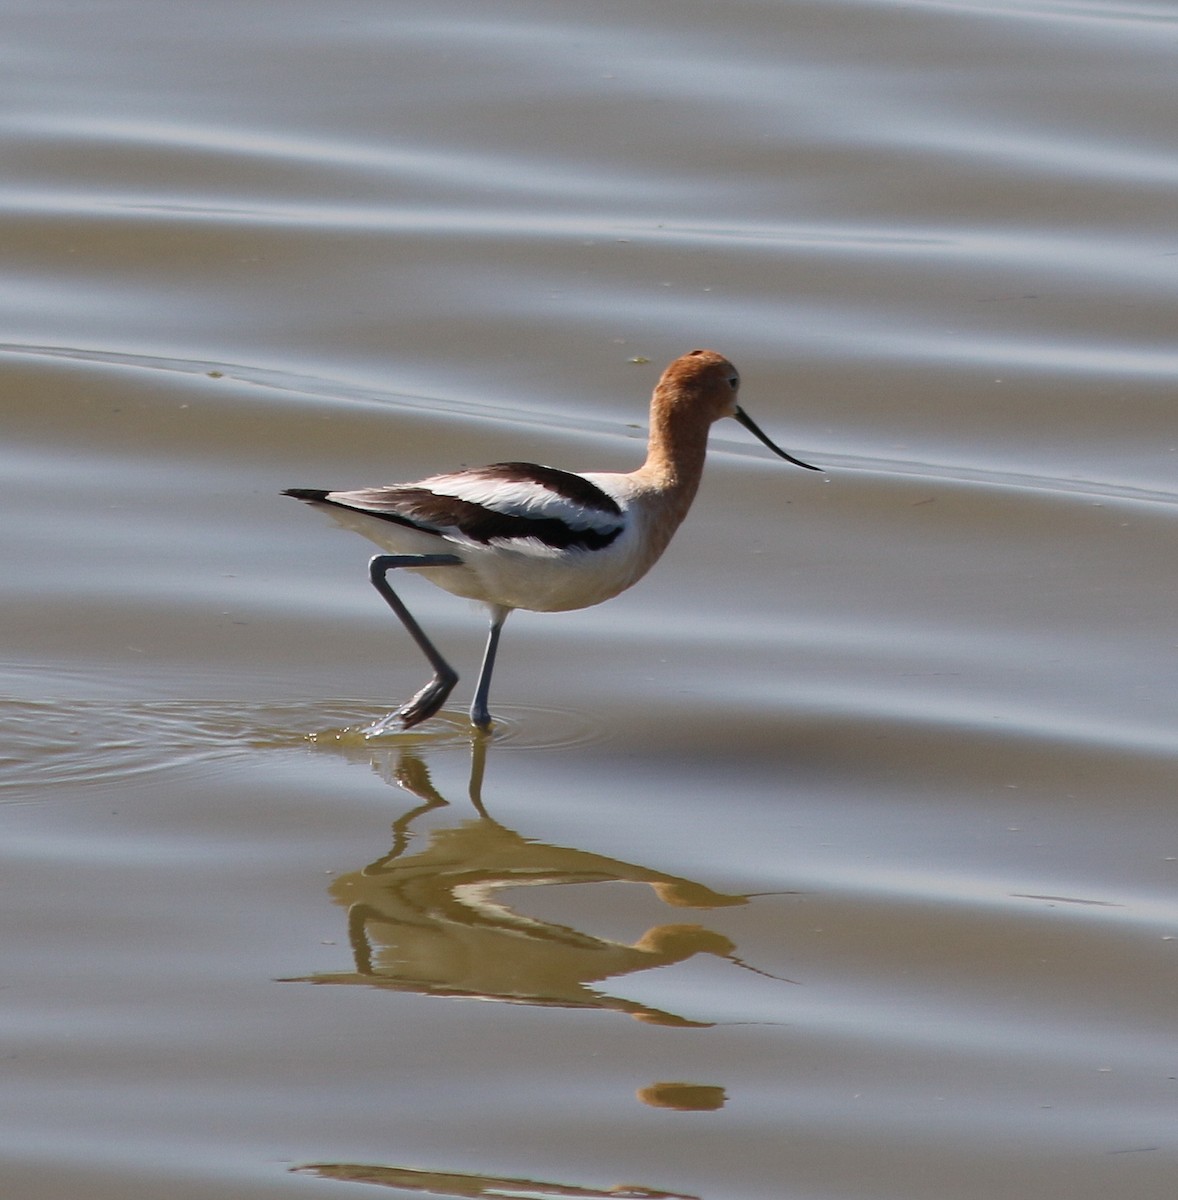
539,580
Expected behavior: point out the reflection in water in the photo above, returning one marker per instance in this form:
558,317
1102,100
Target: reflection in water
435,920
447,1183
684,1097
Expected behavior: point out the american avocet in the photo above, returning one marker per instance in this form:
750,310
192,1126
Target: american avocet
519,535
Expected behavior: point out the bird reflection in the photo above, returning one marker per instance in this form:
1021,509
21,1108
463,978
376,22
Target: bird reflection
462,1186
434,918
683,1097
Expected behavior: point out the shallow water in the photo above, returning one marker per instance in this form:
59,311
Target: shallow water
836,860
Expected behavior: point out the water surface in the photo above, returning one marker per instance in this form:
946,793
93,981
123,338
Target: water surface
837,860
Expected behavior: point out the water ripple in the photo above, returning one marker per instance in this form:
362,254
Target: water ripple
49,742
317,389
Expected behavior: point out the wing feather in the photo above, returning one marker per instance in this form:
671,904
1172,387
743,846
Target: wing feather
502,503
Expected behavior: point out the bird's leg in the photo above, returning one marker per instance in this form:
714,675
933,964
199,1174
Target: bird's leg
478,710
434,694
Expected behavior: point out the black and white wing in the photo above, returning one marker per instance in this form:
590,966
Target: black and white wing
501,504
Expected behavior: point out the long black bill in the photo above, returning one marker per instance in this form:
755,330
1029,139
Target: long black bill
752,427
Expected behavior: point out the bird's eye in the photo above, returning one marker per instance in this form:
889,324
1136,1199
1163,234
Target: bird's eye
734,382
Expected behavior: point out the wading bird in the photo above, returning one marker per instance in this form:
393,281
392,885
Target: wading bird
519,535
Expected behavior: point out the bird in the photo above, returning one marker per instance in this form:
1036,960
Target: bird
519,535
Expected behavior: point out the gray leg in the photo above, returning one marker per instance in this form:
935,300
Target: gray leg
435,693
478,710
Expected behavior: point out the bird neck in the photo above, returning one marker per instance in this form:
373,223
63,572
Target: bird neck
674,461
